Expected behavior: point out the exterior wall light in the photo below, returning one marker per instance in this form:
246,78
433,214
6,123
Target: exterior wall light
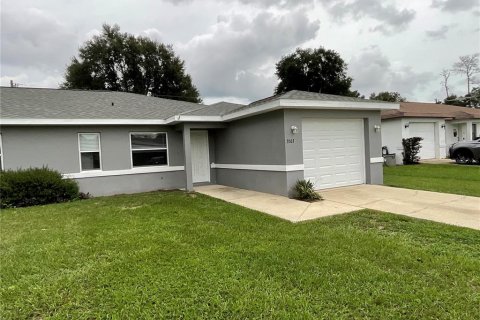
294,129
407,125
443,126
377,128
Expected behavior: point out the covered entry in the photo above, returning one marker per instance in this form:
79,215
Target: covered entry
333,152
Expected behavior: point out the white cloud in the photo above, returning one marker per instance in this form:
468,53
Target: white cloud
372,71
391,18
34,38
231,59
440,33
231,46
455,5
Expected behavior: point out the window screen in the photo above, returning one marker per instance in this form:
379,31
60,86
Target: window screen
89,144
149,149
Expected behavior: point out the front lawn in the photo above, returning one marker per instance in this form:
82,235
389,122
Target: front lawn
173,255
448,178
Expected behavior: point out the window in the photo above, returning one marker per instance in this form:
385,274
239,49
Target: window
1,153
474,131
89,145
148,149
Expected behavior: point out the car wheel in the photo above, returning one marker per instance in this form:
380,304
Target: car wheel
463,158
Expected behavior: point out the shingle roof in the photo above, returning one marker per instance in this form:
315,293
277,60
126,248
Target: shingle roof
32,103
216,109
24,105
305,95
431,110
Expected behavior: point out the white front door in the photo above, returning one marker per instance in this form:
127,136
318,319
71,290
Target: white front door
333,152
200,158
425,130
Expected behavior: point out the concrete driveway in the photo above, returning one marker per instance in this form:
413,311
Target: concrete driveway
441,207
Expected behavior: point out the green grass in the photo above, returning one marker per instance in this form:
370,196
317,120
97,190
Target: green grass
448,178
173,255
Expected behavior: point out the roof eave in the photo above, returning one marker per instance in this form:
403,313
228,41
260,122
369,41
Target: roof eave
72,122
342,105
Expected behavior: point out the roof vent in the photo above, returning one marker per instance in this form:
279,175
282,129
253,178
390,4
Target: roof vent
112,104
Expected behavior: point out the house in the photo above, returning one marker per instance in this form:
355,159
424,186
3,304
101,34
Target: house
117,142
439,125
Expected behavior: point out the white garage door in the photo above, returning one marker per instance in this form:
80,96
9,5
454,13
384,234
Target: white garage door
425,130
333,152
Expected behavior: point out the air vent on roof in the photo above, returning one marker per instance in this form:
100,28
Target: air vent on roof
112,104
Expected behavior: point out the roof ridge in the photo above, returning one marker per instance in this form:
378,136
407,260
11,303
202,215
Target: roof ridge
188,111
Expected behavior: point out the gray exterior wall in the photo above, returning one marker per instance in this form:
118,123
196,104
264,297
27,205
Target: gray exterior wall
132,183
57,148
255,140
261,140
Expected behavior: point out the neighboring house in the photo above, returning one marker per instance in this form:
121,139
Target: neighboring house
116,142
439,125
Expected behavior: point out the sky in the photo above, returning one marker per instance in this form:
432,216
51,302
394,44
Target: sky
230,47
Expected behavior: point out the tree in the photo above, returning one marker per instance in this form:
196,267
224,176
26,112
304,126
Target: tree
123,62
445,75
468,66
454,100
316,70
388,96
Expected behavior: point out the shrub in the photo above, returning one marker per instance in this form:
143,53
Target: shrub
411,148
305,191
35,186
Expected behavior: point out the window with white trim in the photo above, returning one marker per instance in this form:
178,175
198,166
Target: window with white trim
148,149
89,148
1,153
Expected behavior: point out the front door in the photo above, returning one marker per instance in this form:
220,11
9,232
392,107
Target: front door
200,158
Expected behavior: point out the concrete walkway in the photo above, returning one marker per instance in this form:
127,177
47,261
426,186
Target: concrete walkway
441,207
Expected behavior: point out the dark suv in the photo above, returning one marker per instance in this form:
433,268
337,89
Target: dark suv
466,151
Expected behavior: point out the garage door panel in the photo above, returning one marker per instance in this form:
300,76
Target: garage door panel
333,152
425,130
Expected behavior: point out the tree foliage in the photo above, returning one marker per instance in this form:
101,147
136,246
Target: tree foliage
454,100
411,149
315,70
123,62
468,66
388,96
445,76
471,99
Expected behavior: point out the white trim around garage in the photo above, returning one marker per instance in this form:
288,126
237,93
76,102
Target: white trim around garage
259,167
377,160
108,173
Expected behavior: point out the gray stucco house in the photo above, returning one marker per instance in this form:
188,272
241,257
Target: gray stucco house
115,142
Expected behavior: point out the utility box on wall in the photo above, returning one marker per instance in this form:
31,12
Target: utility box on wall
389,160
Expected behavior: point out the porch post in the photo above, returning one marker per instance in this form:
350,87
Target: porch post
188,158
469,130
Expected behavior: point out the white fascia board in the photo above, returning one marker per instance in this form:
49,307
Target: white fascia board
377,160
109,173
259,167
181,118
200,119
310,104
72,122
350,105
261,108
269,106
